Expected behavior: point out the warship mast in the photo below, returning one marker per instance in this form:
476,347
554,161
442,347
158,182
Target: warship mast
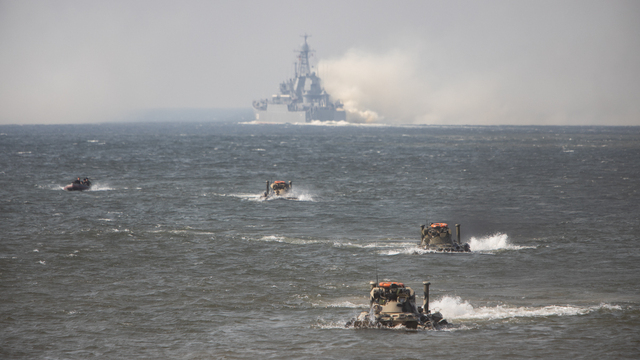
303,58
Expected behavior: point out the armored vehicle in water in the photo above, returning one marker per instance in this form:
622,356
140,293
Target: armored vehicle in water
394,304
437,236
278,188
301,98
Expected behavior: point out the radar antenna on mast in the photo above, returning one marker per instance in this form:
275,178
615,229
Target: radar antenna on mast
304,68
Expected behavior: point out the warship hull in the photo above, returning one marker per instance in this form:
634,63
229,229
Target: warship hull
275,114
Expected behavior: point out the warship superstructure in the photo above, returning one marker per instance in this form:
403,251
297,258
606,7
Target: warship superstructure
301,98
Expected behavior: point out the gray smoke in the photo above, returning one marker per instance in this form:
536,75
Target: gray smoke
570,66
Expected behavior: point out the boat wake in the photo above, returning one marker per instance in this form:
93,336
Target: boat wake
454,308
346,304
459,312
94,187
100,187
403,248
494,242
287,240
294,195
489,243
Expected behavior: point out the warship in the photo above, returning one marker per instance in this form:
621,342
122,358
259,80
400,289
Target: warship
394,304
437,236
301,98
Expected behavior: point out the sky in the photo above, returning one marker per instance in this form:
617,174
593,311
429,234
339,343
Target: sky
395,62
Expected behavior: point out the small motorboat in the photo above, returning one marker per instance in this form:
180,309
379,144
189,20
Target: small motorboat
79,185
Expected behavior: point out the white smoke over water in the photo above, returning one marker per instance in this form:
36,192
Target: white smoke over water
456,81
406,86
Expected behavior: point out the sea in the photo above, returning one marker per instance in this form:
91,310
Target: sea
174,254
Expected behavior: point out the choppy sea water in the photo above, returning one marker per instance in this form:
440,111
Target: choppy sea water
173,254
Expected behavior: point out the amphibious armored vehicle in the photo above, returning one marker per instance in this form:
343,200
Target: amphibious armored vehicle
437,236
278,188
394,304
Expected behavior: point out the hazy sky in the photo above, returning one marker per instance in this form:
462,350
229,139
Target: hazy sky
434,62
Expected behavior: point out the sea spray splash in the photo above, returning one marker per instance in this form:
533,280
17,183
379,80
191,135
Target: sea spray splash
456,308
372,316
498,241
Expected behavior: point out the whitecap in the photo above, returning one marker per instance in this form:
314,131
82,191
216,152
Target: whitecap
272,238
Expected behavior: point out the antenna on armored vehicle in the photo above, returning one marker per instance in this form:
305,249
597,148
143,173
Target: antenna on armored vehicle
375,255
426,214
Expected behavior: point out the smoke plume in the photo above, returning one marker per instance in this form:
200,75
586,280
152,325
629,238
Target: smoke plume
581,76
406,86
